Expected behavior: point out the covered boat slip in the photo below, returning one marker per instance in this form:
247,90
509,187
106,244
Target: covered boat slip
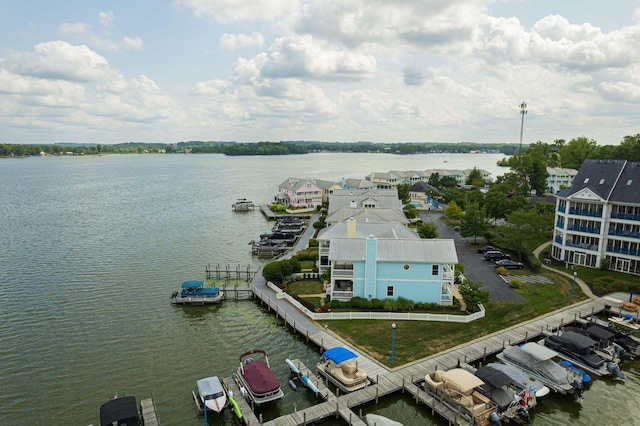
337,365
540,361
578,349
261,384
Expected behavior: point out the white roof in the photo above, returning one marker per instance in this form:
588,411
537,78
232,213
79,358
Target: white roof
438,251
538,351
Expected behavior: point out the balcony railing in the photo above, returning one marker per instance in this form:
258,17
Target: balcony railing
342,272
627,216
585,246
624,233
586,212
341,295
621,250
558,240
559,224
588,229
562,209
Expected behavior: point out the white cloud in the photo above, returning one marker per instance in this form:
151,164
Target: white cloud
106,19
239,41
59,60
83,32
240,10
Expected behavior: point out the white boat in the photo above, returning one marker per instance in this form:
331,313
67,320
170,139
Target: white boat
521,380
627,321
196,293
258,381
542,363
211,395
336,364
460,390
378,420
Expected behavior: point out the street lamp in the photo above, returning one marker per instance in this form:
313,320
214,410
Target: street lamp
573,285
393,341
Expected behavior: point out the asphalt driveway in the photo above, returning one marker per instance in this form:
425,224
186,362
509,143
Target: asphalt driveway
475,267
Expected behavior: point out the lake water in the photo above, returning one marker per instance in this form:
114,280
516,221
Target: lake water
92,247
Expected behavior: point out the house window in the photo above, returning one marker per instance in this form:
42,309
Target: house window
406,267
435,270
389,291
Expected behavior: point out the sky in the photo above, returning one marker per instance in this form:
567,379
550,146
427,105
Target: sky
95,71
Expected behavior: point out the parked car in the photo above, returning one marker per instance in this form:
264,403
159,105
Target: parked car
483,250
509,264
496,255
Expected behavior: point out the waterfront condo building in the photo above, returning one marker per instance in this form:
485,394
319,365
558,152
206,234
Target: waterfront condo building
597,220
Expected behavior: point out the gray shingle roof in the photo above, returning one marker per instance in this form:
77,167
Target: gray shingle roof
608,179
364,229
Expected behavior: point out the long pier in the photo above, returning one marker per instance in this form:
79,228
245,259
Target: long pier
410,377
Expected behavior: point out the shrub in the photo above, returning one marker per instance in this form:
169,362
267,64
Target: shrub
313,242
376,304
533,263
359,303
502,271
390,305
404,304
515,283
605,264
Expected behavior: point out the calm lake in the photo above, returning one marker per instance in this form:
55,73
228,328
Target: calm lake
92,247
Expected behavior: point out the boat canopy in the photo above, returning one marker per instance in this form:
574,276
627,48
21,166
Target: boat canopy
539,352
210,388
122,410
461,380
209,291
493,377
192,284
600,333
577,340
339,354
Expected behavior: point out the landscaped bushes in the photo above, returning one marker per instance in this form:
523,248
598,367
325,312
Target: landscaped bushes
533,263
388,305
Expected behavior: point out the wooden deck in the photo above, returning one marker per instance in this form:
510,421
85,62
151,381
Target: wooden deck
248,416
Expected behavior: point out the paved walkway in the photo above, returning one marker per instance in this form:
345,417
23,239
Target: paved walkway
583,286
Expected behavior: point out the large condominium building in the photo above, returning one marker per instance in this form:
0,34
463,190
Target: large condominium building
598,218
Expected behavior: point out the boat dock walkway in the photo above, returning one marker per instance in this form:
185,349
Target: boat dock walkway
248,416
148,409
411,376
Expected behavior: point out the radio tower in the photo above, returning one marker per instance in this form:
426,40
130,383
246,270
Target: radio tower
523,111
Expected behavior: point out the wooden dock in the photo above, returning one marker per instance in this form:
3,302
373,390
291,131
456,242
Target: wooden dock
148,411
248,416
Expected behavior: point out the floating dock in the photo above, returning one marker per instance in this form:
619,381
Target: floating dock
148,411
243,205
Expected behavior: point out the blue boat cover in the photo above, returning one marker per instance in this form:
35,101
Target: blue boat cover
208,291
339,354
192,284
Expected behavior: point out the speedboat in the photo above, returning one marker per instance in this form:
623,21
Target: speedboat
121,411
196,293
211,395
257,380
580,350
513,404
521,380
543,364
460,390
337,366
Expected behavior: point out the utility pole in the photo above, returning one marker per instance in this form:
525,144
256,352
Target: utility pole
523,111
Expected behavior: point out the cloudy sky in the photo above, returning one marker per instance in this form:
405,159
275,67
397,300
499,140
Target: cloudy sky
330,70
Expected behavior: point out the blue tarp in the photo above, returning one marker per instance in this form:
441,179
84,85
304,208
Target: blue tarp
192,284
339,354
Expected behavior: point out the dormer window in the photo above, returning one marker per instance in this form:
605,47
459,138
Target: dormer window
629,182
601,181
586,180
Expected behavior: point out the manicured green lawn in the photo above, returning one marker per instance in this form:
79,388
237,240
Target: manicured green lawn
305,287
315,301
418,339
307,264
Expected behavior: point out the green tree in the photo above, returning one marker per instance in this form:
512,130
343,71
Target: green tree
403,192
496,205
474,222
410,211
524,231
453,211
576,151
472,293
428,230
474,178
629,148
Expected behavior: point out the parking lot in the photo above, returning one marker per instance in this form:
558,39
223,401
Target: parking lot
475,267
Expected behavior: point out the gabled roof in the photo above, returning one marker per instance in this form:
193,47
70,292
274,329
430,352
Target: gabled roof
357,183
326,184
295,183
384,198
421,186
364,229
438,251
376,215
611,180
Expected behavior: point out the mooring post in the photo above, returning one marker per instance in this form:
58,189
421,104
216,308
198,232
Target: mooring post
336,409
304,418
260,420
526,336
377,386
403,385
307,336
485,354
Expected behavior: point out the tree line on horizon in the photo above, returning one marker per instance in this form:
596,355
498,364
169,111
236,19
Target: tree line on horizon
572,153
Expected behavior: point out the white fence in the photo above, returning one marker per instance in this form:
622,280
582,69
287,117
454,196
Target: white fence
395,316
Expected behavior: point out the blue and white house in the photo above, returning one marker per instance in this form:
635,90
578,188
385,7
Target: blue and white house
421,270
